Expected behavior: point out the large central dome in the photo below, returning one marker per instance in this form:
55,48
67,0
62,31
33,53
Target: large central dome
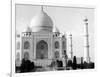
41,22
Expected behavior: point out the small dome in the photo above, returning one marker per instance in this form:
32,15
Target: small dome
28,29
41,22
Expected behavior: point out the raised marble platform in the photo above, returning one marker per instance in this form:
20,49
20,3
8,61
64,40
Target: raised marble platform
42,62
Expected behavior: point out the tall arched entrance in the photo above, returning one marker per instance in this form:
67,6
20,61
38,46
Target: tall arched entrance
41,50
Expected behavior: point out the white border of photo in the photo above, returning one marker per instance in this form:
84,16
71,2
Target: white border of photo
69,73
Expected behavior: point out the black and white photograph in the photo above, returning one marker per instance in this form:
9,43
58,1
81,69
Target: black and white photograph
53,38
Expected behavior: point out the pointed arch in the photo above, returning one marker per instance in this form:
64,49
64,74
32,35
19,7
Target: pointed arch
56,45
26,45
42,50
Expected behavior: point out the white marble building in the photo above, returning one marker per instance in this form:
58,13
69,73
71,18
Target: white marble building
41,40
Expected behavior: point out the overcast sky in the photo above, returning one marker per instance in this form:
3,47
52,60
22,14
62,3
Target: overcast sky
67,20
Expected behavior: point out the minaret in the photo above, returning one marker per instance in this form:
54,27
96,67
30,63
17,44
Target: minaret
66,41
71,47
86,41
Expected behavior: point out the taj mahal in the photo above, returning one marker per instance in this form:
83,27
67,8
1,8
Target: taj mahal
41,41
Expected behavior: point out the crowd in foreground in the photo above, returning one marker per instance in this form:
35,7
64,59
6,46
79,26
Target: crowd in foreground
28,66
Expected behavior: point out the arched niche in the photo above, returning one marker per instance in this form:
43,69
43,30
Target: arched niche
26,45
41,50
56,54
56,45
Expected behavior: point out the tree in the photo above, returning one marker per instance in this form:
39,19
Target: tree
74,63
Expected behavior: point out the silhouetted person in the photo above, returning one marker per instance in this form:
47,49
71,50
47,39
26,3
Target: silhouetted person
60,64
82,64
74,63
69,63
91,65
26,65
85,65
66,58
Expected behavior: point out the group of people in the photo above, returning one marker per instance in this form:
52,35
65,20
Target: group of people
25,65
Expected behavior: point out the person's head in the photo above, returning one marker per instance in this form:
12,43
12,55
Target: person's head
26,55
